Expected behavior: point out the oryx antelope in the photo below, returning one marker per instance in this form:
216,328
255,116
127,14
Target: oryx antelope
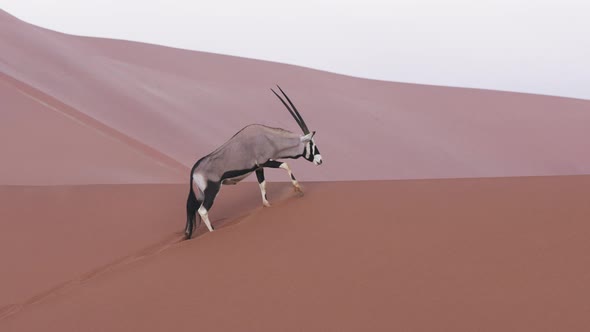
250,150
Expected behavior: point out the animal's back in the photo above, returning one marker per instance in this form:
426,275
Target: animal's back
249,147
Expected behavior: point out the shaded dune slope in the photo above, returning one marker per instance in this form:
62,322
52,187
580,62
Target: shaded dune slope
47,142
182,104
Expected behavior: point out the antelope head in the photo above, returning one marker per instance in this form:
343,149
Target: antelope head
311,151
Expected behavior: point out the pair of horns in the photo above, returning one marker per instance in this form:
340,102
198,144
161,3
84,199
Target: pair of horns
293,111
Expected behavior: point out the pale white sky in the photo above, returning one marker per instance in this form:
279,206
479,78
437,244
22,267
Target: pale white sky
536,46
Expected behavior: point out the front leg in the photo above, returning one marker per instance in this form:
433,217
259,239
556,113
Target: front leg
262,184
277,164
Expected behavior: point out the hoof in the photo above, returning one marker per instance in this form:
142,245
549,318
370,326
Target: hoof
266,204
298,191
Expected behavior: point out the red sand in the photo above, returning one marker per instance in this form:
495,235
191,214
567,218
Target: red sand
420,255
96,134
179,105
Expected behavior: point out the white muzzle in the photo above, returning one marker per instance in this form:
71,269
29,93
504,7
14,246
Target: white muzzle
317,159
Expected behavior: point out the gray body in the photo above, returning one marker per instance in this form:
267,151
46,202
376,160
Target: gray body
250,150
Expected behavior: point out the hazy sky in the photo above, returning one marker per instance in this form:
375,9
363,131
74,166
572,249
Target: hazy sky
536,46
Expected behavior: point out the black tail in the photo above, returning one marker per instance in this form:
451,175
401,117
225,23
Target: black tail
192,204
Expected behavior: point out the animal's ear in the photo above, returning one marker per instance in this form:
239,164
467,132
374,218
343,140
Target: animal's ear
307,138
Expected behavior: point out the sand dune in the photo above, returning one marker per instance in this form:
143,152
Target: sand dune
180,105
51,235
97,137
420,255
45,142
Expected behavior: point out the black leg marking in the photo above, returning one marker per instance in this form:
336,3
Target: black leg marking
209,197
210,193
191,222
260,175
285,166
262,184
192,204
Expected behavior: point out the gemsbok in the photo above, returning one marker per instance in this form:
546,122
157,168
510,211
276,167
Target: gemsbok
250,150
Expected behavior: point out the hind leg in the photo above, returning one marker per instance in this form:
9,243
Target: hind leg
210,194
191,223
192,204
188,229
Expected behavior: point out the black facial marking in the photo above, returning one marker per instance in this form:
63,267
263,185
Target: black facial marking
310,151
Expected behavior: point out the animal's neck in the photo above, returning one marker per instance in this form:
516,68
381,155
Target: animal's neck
293,151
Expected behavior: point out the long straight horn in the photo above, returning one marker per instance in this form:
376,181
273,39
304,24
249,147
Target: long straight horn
301,122
289,109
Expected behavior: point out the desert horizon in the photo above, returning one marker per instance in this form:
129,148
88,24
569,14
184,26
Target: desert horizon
435,208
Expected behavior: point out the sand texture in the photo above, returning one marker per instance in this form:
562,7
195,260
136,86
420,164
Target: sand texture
436,209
